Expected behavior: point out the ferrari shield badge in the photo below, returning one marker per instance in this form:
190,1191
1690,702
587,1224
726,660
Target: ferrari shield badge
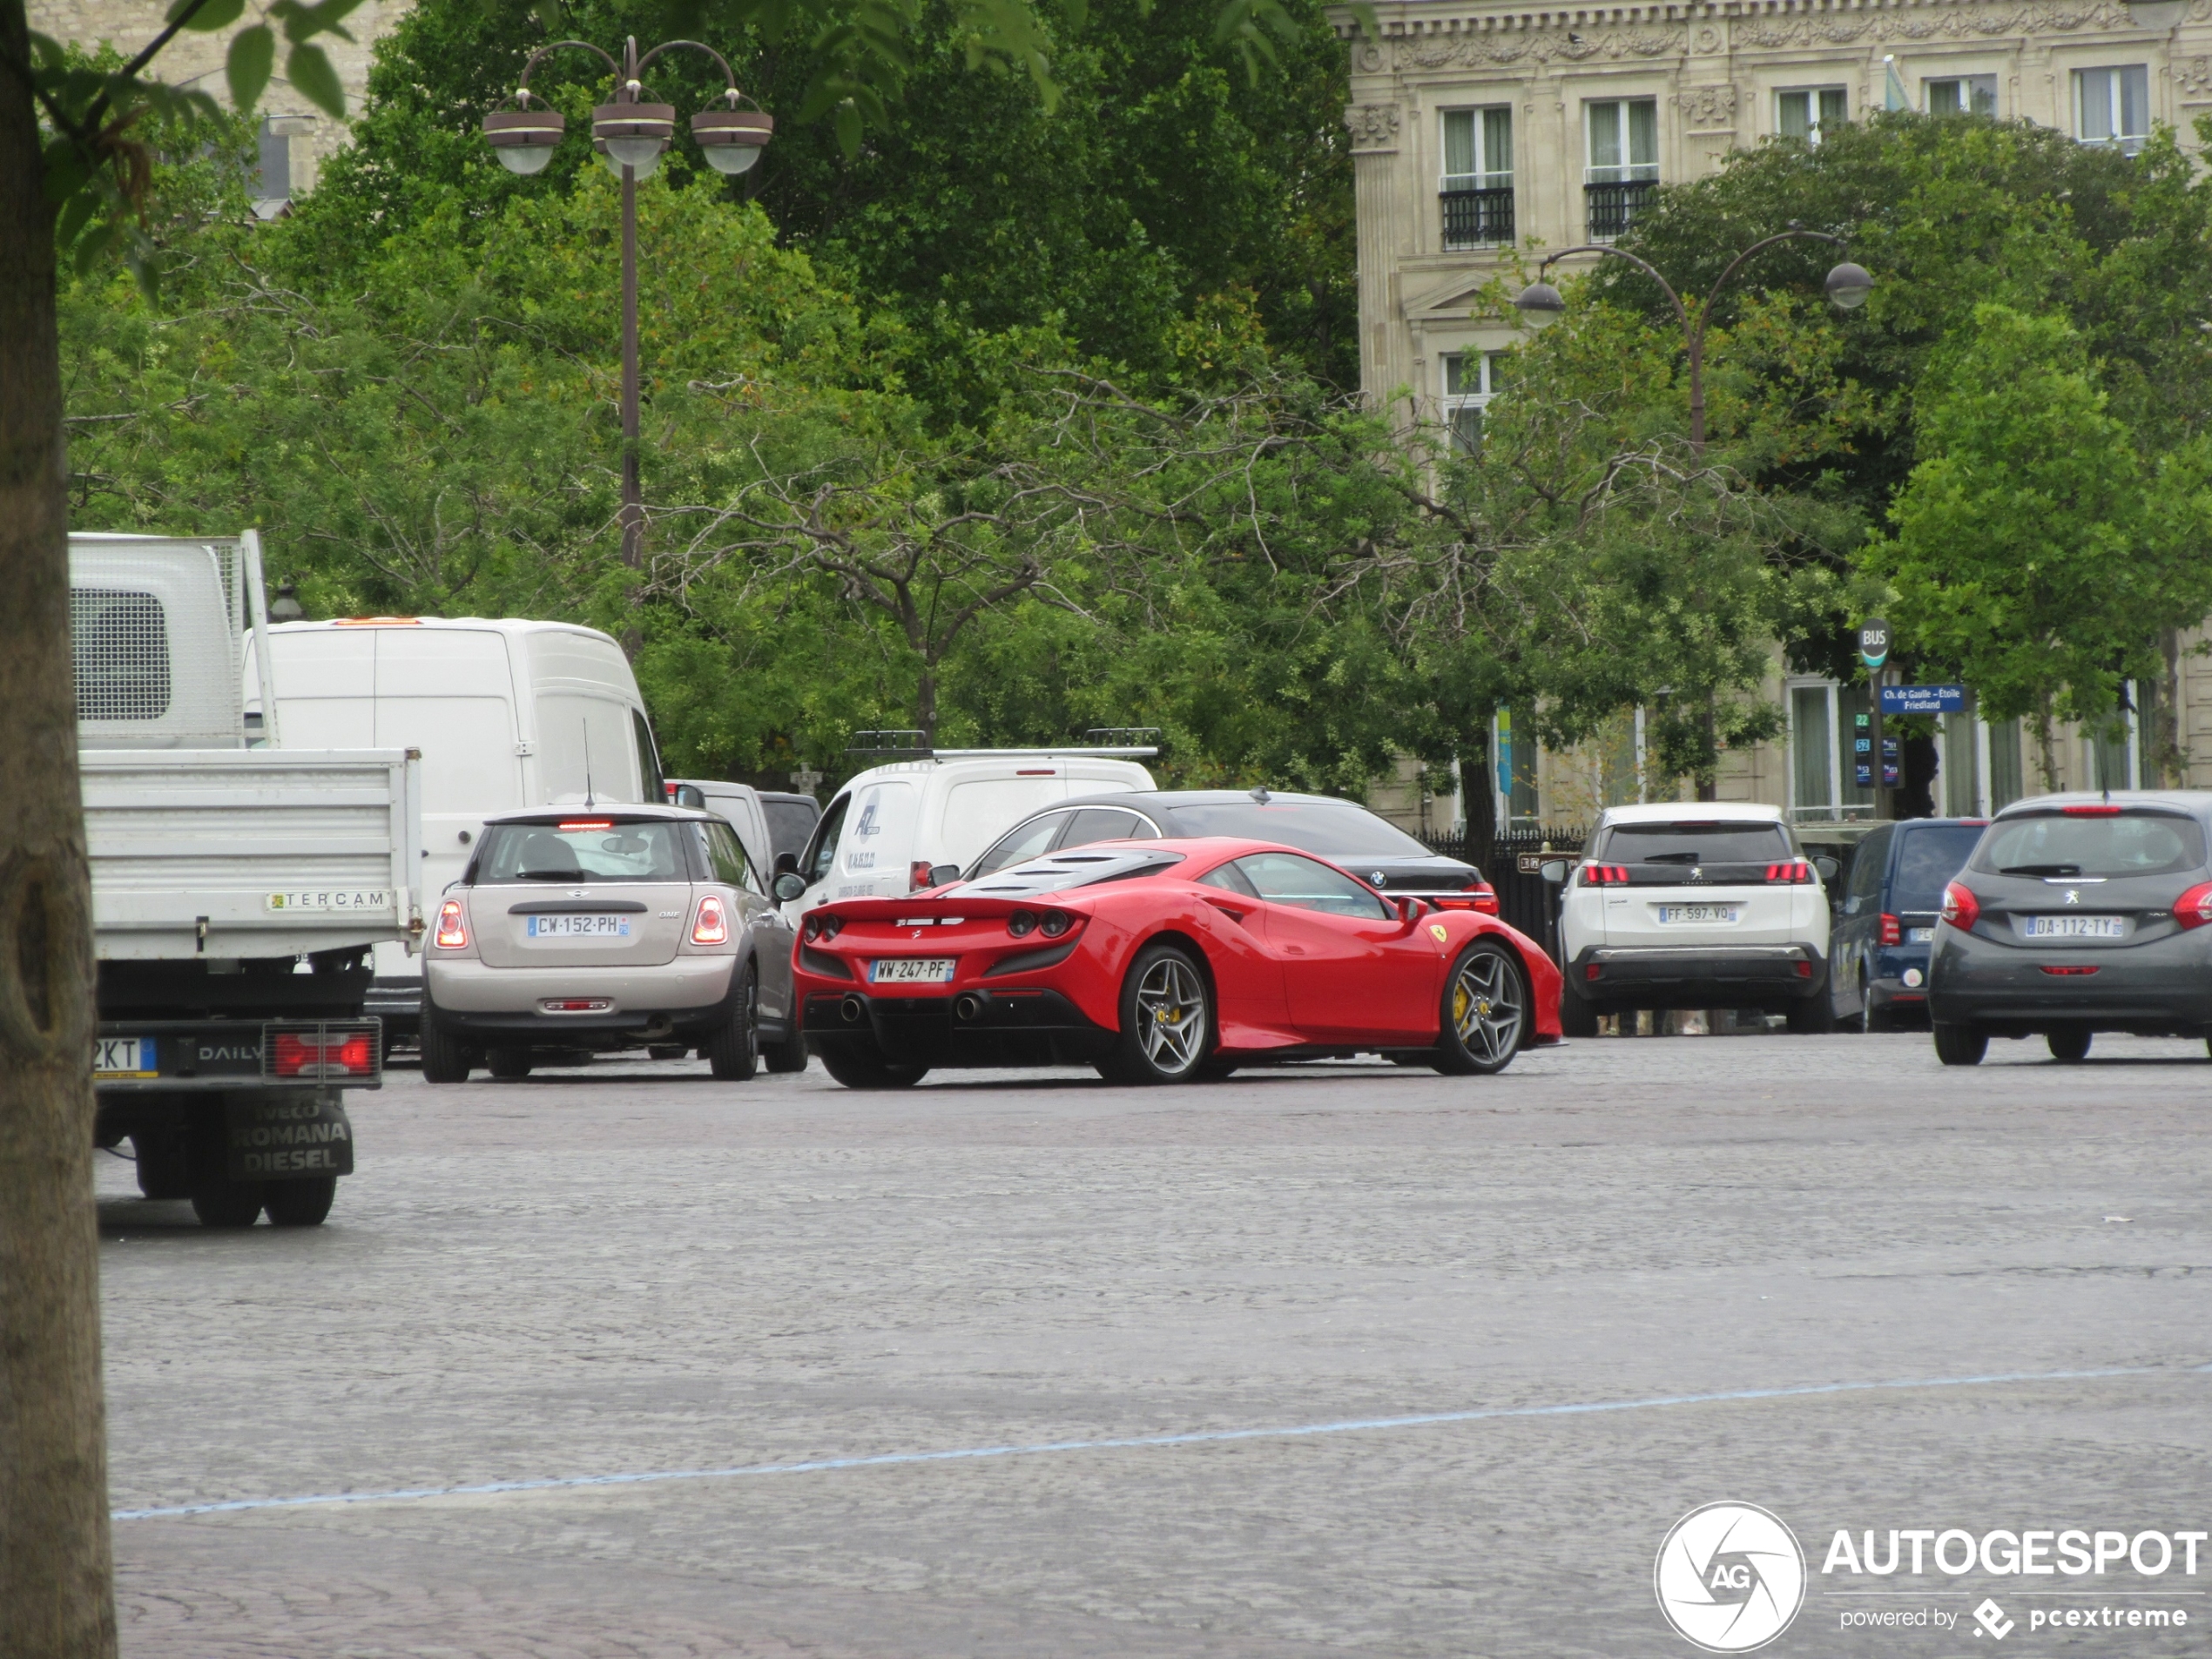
1436,931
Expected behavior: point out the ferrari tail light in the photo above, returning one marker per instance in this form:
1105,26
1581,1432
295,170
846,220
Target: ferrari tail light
1053,924
1022,923
1605,875
453,926
1893,931
711,925
2193,908
1960,909
822,925
1794,873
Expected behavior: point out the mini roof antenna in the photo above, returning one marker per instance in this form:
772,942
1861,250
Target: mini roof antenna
1260,794
589,802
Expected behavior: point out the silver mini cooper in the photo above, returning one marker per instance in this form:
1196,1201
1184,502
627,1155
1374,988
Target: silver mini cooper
607,928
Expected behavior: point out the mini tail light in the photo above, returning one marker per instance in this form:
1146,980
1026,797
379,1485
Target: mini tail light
711,925
1794,873
1055,923
453,926
1605,875
821,925
2193,908
1893,931
1022,923
338,1054
1960,909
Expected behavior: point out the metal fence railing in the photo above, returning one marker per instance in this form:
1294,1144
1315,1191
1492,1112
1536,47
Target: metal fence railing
1477,218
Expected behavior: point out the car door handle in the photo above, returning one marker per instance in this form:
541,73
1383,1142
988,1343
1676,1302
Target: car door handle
1293,950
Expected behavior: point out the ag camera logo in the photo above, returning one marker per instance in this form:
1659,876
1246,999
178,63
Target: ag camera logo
1729,1577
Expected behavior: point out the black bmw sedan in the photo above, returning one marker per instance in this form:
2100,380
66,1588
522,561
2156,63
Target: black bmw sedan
2078,913
1372,848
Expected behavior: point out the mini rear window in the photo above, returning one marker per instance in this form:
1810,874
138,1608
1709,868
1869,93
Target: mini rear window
1692,841
2056,844
584,849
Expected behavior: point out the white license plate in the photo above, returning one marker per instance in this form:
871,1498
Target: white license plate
123,1057
1699,913
1919,935
330,900
586,927
2077,927
927,970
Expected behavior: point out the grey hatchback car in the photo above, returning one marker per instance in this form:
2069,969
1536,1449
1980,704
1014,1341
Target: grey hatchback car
2078,913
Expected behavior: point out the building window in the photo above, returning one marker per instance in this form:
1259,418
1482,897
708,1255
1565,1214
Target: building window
1962,94
1623,170
1470,382
1809,111
2112,106
1476,190
273,180
1827,723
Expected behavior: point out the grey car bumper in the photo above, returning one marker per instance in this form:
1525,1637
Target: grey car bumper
2153,987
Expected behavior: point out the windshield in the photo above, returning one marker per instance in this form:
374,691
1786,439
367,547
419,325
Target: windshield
595,849
2057,844
1694,842
1332,828
1927,860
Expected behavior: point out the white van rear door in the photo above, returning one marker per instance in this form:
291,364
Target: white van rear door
872,862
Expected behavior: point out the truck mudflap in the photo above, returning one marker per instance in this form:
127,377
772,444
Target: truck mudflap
237,1054
292,1135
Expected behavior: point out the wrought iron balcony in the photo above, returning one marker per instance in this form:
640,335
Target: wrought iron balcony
1612,208
1477,218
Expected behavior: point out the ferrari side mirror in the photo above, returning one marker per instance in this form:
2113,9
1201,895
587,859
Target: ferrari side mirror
941,874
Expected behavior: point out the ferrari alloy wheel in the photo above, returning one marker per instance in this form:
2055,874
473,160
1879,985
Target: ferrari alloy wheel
1485,1011
1167,1021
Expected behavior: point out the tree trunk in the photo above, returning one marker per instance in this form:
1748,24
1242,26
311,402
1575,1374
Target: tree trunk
926,703
57,1596
2046,750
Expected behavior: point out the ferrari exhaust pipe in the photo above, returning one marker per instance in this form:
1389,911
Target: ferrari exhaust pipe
967,1006
853,1009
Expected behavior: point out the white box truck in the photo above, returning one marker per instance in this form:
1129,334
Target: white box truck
238,887
507,713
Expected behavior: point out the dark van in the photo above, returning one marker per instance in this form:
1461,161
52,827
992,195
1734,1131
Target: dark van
1885,919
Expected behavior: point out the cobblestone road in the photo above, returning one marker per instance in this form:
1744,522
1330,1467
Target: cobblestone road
634,1269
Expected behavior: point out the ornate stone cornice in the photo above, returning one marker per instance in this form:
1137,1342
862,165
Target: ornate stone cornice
1477,36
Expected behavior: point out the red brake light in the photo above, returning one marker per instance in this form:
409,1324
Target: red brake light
1893,931
589,823
2102,810
1605,875
1484,899
1791,871
2193,908
918,875
453,926
2070,971
339,1054
1960,909
711,925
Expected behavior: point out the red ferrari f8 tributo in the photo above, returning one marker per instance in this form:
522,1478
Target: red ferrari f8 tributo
1161,961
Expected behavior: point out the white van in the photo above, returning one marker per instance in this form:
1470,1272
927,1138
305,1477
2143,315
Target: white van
893,829
507,714
737,805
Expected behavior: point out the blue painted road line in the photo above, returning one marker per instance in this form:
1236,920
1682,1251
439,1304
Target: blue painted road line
1200,1437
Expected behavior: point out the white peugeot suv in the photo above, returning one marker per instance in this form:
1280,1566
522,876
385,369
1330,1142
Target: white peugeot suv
1695,905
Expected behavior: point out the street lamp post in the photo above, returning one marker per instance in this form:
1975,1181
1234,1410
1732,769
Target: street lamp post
629,136
1848,285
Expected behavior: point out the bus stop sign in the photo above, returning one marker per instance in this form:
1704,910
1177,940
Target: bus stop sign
1873,642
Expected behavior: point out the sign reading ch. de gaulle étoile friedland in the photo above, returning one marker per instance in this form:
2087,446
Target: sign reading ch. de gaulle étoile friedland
1924,699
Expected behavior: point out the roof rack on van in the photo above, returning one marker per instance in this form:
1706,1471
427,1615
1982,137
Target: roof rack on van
888,745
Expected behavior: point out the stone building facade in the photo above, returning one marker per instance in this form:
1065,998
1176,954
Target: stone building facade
295,136
1485,131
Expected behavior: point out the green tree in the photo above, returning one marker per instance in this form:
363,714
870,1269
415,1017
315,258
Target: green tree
2037,552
